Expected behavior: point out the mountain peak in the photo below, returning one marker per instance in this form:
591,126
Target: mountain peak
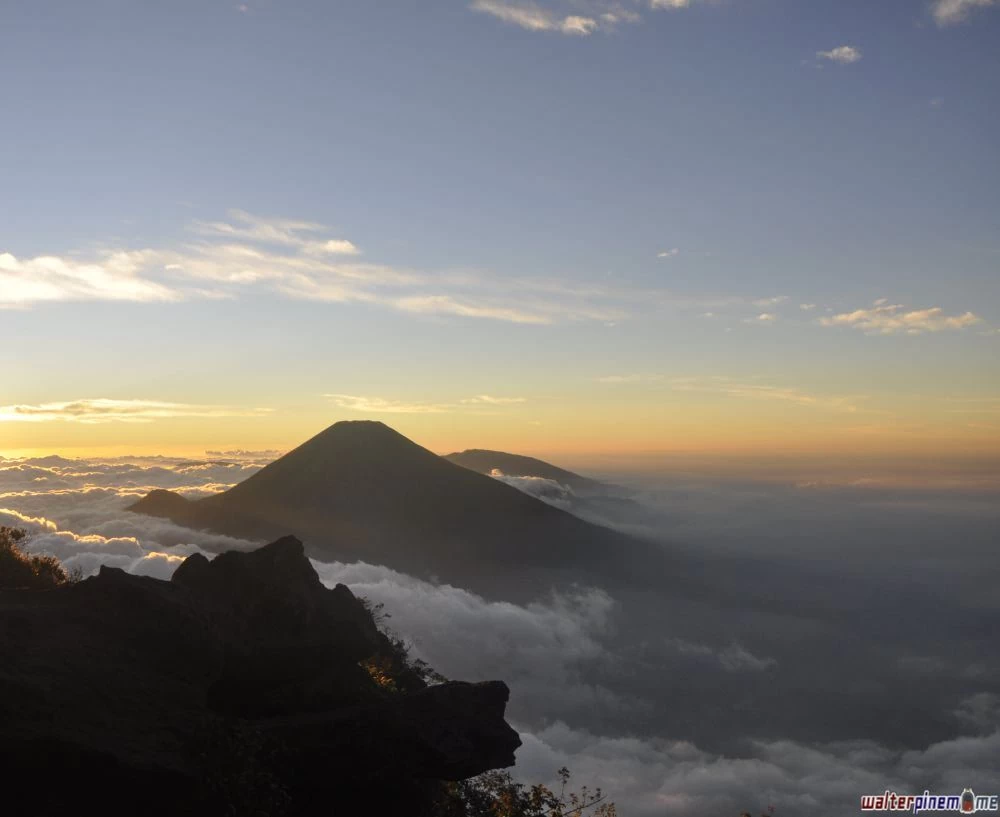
363,432
357,427
360,490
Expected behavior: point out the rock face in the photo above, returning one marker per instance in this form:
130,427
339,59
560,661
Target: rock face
235,688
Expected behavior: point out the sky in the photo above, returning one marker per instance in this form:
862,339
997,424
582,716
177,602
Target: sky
580,229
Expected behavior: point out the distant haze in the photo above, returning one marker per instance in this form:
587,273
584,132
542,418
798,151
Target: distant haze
814,639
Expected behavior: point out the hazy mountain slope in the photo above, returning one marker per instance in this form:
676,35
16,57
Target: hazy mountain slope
483,461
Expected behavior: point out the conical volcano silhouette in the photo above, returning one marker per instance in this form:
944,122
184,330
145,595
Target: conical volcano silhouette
362,491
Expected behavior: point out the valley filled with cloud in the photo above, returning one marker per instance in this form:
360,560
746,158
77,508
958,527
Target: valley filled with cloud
801,652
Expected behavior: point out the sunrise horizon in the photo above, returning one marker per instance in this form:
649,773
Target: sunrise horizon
459,408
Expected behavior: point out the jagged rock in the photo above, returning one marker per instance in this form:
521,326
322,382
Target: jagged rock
239,680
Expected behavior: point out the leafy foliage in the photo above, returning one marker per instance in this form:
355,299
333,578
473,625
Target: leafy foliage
392,668
496,794
19,570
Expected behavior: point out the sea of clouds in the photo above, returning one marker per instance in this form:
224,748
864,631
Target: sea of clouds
815,644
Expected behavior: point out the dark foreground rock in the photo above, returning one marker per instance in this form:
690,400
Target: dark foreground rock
236,688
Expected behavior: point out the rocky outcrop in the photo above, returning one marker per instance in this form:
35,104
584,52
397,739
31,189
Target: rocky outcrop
237,687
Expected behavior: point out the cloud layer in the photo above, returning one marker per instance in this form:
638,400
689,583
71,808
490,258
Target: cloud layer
298,260
575,19
895,319
75,509
782,661
479,404
585,17
104,410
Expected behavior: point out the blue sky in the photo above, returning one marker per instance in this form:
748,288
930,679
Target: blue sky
545,206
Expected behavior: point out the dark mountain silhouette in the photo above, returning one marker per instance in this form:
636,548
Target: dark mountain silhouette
602,503
484,461
238,687
361,491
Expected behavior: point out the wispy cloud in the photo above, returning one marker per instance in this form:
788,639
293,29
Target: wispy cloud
949,12
535,18
381,405
807,307
585,17
750,390
573,17
296,259
616,379
668,253
244,225
105,410
843,54
448,305
883,318
490,400
112,276
276,231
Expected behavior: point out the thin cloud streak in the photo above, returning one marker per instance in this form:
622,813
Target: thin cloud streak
762,391
493,401
894,319
104,410
616,379
534,18
721,385
581,19
381,405
572,18
295,260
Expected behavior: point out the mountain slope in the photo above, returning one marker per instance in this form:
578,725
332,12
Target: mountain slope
484,461
361,491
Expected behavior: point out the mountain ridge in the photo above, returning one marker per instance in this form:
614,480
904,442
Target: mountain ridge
360,491
485,460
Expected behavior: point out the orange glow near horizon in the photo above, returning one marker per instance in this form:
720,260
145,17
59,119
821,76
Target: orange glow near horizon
639,437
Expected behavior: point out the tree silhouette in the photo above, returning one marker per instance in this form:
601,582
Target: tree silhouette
19,570
496,794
